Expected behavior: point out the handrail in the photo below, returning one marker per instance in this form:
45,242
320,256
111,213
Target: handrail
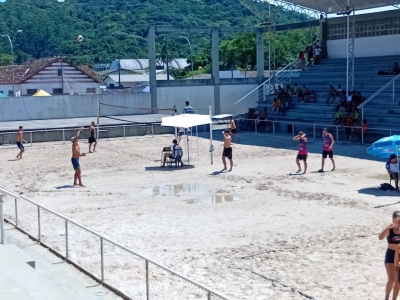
379,91
11,193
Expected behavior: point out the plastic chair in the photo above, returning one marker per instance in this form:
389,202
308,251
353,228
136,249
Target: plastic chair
176,158
164,150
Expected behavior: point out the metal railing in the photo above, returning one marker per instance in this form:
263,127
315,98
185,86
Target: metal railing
390,82
341,133
268,87
65,134
125,272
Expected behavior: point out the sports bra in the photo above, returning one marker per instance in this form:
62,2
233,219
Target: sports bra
393,238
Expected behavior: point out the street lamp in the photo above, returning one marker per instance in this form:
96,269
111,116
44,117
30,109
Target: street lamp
191,51
12,56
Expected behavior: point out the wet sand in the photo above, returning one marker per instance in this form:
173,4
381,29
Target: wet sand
254,233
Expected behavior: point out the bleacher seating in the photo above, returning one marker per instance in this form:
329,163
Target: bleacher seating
381,112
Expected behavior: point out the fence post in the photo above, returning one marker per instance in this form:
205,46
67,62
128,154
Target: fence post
209,295
393,91
16,212
337,132
39,233
152,130
124,131
30,134
314,129
273,127
63,131
102,257
255,125
362,135
66,239
2,219
293,129
147,281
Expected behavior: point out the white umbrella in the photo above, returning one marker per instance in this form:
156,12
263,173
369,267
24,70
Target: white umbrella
186,121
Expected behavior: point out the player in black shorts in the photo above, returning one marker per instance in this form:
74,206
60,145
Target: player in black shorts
227,153
92,138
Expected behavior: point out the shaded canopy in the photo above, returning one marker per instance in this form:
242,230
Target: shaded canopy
41,93
186,120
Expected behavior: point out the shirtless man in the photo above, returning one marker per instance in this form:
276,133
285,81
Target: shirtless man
227,153
233,128
328,141
76,153
20,142
92,137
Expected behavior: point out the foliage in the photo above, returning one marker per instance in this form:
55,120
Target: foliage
118,29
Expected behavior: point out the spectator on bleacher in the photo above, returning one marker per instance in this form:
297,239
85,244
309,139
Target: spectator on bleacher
318,44
289,92
295,92
396,69
275,106
188,109
331,94
317,55
337,117
279,93
365,126
356,115
282,108
339,91
348,126
302,60
305,95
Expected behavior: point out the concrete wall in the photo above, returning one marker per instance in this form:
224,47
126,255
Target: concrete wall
200,97
63,107
366,47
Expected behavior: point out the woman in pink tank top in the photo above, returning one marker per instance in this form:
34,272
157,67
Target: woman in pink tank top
303,151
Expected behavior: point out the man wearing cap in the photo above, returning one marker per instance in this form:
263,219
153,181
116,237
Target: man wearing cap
176,151
392,167
76,154
227,153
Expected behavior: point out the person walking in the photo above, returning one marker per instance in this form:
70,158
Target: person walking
327,149
20,142
227,153
92,137
76,154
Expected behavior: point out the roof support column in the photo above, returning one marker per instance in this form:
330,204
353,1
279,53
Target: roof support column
323,26
215,70
151,39
350,53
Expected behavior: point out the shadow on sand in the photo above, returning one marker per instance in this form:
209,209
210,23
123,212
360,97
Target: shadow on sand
64,187
167,168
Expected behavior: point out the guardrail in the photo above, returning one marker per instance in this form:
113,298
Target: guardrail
341,133
268,87
125,272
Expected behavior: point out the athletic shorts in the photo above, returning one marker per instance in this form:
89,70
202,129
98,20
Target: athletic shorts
302,157
389,256
75,163
20,146
234,131
325,154
92,139
227,153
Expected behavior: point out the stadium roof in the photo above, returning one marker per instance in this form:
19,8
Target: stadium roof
332,6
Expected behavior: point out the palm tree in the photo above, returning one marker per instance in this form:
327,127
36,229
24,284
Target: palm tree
164,57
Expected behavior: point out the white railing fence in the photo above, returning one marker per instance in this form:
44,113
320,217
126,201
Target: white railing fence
280,78
384,87
127,273
341,133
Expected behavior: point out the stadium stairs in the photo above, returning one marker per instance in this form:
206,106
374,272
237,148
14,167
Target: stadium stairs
380,112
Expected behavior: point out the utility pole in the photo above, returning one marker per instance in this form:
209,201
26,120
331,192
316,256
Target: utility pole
166,56
62,76
119,73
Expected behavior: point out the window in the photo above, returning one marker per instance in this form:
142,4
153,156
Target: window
59,72
91,90
10,93
30,92
57,92
111,85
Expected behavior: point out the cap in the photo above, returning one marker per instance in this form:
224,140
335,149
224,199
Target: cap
73,138
393,156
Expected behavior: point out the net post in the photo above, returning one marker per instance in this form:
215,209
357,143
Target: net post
98,120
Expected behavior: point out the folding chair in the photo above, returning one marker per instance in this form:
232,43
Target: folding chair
164,150
176,158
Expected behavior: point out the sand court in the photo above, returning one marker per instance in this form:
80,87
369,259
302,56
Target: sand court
254,233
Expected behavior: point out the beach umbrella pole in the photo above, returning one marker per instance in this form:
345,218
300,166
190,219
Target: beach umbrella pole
211,136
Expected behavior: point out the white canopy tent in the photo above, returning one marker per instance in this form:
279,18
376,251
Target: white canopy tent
187,121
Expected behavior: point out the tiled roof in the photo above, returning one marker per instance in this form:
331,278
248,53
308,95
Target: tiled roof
32,67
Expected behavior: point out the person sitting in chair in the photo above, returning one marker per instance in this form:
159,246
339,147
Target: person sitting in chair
392,167
176,151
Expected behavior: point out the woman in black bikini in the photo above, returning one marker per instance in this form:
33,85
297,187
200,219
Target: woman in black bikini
392,234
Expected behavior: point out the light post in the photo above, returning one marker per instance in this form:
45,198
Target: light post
191,51
12,56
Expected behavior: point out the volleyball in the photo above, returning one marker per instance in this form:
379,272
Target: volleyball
79,38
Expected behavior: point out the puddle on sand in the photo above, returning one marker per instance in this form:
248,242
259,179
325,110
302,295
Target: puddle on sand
199,191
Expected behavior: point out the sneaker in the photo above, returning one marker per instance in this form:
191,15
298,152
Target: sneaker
320,171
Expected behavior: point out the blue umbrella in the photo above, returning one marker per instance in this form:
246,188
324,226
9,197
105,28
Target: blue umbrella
385,146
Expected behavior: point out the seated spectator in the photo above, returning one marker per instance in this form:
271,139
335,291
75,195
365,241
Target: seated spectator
279,93
176,151
317,55
188,109
261,119
331,94
275,106
282,108
289,94
364,126
337,117
356,115
339,91
295,92
348,126
303,94
392,167
395,70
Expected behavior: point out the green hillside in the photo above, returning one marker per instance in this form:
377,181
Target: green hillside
115,28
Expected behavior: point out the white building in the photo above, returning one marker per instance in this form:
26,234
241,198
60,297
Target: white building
54,75
143,64
131,80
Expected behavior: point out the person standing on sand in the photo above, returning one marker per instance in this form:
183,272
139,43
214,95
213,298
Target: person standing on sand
233,128
392,234
76,154
303,151
20,142
92,138
227,153
327,150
